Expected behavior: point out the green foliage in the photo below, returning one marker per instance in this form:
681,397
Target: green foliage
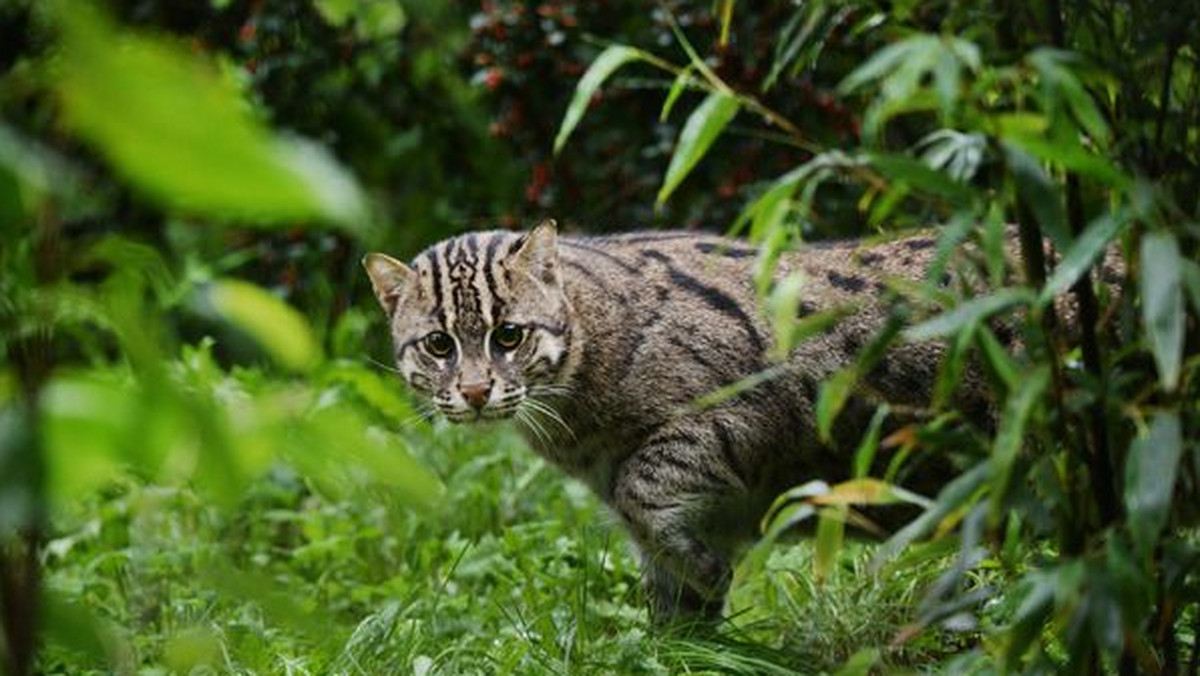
971,126
194,444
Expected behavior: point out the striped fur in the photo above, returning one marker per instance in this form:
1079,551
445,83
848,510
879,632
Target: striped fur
622,335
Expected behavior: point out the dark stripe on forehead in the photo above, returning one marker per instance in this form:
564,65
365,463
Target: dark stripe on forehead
467,303
435,271
489,262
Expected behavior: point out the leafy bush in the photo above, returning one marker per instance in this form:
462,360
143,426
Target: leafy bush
1095,449
200,471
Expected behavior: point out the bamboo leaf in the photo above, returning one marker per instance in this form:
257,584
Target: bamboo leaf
1011,436
974,310
1040,192
1083,254
607,63
682,82
950,500
1150,474
1162,304
701,129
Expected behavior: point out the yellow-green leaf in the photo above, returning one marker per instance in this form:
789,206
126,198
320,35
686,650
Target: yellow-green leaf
276,326
177,130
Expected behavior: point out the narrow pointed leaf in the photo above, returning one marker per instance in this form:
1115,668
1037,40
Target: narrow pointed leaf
604,66
974,310
1082,254
699,132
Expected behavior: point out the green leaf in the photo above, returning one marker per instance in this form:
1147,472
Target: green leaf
831,526
860,663
864,455
1150,473
182,134
921,176
950,500
832,398
701,129
974,310
1083,254
1162,304
881,63
682,82
276,326
1040,192
1011,436
607,63
1058,82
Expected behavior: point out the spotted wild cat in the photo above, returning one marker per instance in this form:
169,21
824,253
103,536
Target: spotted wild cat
598,348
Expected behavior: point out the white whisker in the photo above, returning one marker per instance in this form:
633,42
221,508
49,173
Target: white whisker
549,412
391,369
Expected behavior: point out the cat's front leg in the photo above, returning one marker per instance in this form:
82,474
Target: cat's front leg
663,493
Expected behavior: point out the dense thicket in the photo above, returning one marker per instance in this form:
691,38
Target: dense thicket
186,188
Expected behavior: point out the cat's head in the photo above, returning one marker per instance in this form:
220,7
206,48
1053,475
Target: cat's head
479,322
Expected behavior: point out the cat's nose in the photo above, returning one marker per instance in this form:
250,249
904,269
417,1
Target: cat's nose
476,394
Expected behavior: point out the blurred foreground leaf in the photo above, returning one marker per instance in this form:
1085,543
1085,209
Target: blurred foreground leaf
276,326
179,132
1150,479
1162,304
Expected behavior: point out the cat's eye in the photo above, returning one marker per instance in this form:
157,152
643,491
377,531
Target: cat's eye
439,344
507,336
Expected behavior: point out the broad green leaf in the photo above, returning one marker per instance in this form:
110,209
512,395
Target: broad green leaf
1150,472
701,129
276,326
1011,435
974,310
174,128
1082,254
612,58
1162,304
1040,192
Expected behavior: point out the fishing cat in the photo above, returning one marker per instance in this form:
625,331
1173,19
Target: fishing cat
599,347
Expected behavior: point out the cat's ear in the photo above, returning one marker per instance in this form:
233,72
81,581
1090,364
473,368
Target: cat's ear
538,252
389,279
